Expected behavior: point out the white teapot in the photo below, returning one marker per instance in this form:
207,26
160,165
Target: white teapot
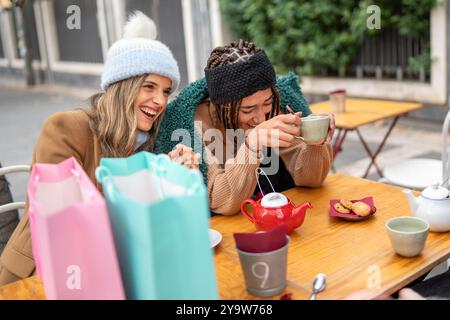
433,205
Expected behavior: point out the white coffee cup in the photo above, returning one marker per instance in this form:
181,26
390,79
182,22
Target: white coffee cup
314,128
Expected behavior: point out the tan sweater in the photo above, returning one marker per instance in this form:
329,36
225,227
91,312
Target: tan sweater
233,179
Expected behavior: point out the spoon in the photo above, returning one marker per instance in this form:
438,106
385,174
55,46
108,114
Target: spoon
293,113
319,284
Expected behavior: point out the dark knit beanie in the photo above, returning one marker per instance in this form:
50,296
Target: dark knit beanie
232,82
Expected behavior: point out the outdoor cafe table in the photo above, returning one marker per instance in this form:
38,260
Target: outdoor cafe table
354,256
359,112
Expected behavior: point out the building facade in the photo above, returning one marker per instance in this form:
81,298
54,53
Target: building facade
191,28
70,51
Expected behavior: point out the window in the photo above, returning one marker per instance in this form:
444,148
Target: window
168,17
79,45
30,25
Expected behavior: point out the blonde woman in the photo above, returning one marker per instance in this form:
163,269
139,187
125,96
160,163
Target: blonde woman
138,78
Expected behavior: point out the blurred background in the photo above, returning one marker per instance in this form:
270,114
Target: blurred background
390,50
328,43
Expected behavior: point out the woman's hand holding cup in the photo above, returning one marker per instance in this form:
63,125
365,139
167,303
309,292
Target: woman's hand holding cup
331,127
318,128
278,131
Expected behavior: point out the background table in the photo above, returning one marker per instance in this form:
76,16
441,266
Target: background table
360,112
351,254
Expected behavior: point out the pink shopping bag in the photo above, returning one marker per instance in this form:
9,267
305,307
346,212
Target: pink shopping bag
72,241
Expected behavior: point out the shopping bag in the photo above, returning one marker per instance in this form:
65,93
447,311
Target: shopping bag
72,242
160,219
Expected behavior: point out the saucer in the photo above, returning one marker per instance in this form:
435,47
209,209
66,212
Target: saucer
214,237
351,216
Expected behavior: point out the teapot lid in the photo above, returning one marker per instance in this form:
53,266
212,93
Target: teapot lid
274,199
435,192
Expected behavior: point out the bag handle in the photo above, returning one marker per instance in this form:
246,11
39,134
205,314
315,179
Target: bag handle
195,184
105,177
77,175
158,165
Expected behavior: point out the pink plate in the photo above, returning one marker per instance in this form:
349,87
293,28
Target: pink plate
351,216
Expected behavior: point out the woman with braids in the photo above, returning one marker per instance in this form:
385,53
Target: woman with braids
138,77
241,92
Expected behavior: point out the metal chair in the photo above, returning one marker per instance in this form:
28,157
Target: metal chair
13,169
419,173
9,215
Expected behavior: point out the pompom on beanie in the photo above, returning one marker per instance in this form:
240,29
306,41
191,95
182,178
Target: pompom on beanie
138,53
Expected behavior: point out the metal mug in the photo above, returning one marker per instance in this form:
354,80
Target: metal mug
265,272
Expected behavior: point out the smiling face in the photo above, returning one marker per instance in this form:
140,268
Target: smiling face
255,108
151,100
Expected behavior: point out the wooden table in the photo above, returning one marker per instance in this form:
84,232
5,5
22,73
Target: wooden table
353,255
360,112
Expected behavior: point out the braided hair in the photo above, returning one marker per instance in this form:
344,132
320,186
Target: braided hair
229,54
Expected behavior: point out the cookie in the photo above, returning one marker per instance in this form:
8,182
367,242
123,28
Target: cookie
340,208
346,203
361,209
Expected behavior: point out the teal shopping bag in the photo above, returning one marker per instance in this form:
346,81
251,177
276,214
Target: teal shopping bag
160,219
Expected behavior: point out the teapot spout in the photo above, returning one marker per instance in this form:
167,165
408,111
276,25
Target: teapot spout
298,213
413,202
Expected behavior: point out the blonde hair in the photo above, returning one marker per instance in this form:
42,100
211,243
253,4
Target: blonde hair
113,119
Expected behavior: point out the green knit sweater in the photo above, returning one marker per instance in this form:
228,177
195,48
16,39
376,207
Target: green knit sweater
181,111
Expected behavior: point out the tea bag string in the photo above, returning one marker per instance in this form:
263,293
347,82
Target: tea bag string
259,171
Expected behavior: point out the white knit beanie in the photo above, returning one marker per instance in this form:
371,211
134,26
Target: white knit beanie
138,53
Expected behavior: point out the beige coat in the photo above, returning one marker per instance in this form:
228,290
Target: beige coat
64,134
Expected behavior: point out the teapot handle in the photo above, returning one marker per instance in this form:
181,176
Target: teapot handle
244,212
